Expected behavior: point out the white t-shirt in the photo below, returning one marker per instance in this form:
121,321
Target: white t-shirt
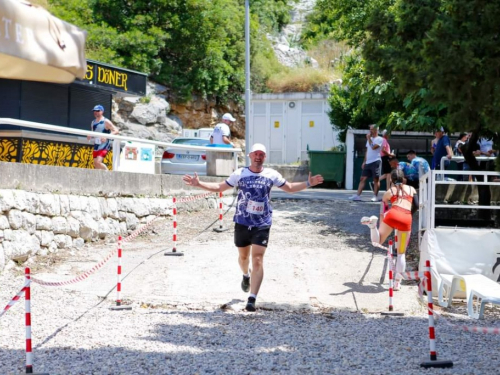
373,155
220,130
485,144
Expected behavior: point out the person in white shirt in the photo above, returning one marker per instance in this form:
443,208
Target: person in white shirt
253,212
371,164
221,132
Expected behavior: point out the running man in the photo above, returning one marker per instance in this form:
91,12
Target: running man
403,199
253,216
101,145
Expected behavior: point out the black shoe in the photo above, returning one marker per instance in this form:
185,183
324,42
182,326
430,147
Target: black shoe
245,284
250,304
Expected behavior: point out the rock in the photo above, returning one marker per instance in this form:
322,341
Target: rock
148,113
63,241
73,227
59,225
29,222
49,205
46,237
43,222
78,243
2,258
4,222
15,218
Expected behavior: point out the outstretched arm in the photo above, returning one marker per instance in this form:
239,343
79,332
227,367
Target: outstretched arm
209,186
293,187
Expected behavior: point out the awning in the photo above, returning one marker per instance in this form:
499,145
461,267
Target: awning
36,46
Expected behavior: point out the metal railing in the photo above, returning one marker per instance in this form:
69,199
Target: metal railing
427,191
116,139
461,158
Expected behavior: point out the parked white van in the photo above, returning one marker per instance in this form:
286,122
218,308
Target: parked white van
204,133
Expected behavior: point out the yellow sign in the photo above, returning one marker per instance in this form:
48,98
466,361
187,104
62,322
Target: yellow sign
276,124
311,124
112,77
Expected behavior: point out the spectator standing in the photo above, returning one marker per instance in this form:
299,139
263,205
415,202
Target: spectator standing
371,164
253,215
443,148
484,147
221,134
101,145
458,151
385,153
419,164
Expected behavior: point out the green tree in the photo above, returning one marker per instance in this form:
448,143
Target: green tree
192,46
341,20
447,48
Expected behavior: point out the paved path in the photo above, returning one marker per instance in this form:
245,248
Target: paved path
319,257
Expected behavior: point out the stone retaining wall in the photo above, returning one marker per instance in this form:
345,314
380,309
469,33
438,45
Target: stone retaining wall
39,223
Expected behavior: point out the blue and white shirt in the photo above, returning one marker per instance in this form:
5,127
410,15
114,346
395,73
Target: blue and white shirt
100,127
253,208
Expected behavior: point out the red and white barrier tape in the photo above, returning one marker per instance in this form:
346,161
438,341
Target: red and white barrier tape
376,244
85,275
412,275
16,298
474,329
193,197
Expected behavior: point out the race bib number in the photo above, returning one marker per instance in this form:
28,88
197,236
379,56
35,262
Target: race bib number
256,208
97,141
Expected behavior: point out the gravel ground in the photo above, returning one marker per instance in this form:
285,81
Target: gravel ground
326,326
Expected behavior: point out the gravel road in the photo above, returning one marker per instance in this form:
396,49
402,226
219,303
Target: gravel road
318,309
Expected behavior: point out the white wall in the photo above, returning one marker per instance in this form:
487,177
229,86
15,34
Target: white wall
288,123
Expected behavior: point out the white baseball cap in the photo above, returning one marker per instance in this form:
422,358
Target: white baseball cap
229,117
258,147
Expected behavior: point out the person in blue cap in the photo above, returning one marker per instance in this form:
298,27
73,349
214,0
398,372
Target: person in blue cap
101,145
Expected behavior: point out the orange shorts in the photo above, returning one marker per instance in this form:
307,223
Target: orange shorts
398,218
101,153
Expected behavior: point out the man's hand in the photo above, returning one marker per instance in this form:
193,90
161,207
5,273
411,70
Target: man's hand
368,136
191,180
103,140
315,180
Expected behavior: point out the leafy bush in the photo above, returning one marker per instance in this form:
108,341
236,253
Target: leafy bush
299,80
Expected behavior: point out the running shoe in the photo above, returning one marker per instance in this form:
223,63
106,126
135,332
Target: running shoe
250,304
245,284
354,197
397,285
375,199
370,221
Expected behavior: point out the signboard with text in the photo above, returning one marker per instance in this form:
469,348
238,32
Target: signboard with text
115,79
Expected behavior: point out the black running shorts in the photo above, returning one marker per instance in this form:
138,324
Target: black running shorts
245,236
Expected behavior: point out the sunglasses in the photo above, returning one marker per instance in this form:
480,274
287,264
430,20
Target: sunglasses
97,110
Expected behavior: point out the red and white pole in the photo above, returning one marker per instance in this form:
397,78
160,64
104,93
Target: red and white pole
119,274
27,304
391,276
220,210
432,332
174,213
119,305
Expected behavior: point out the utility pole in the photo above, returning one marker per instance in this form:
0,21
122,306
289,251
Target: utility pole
247,80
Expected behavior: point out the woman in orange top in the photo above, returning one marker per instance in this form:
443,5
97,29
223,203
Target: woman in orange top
399,217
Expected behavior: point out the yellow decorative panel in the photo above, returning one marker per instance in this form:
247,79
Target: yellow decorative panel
60,154
8,149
